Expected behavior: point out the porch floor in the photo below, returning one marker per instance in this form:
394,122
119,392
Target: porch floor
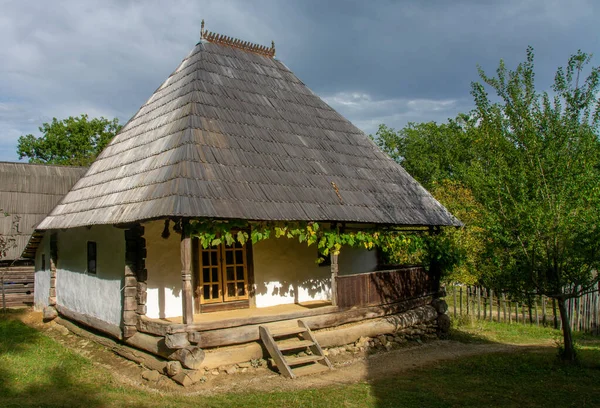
271,313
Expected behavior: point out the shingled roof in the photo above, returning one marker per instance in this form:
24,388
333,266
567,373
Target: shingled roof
28,192
233,133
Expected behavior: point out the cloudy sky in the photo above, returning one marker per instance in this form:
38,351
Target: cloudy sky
375,61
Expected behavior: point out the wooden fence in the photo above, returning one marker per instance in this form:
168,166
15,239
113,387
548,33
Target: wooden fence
482,303
16,286
383,287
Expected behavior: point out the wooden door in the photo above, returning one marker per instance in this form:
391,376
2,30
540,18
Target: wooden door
221,274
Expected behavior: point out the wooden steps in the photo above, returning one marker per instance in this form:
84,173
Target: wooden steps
294,339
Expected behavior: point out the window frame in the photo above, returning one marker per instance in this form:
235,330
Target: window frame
92,256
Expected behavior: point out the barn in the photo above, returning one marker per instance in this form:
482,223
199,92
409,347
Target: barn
28,192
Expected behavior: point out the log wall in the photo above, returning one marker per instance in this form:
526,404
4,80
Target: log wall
16,285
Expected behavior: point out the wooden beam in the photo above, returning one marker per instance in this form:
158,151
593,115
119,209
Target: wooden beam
334,275
329,338
248,333
186,273
90,321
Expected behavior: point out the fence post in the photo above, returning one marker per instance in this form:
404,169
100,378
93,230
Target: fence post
3,292
491,305
461,300
554,313
499,305
468,290
478,291
544,320
517,312
537,315
454,298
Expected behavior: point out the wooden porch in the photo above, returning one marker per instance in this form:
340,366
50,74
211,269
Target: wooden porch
228,318
360,297
238,317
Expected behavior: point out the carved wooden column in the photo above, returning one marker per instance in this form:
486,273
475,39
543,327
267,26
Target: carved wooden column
134,299
334,275
53,262
186,273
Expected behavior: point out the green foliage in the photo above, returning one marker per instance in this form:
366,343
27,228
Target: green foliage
430,152
538,176
401,247
438,157
75,141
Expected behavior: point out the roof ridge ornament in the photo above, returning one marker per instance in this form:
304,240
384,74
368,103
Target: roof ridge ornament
236,43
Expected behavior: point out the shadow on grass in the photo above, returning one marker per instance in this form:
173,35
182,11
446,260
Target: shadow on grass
36,371
528,373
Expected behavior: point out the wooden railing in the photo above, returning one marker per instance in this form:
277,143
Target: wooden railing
383,287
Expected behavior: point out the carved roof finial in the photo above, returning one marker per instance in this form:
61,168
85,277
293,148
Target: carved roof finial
236,43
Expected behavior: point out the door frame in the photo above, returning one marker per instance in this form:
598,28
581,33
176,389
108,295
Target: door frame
200,307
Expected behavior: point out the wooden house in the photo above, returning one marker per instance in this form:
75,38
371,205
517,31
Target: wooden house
28,192
232,134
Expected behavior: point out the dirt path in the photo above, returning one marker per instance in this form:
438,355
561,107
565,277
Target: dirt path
349,367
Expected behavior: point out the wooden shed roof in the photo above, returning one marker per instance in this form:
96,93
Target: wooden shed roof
234,133
28,192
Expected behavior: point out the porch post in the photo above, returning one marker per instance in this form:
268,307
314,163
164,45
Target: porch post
334,275
186,273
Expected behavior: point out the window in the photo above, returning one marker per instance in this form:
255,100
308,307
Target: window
43,262
91,257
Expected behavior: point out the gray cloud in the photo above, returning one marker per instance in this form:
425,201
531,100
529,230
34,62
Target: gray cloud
376,62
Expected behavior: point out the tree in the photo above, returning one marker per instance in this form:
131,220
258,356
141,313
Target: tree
438,156
75,141
430,152
537,173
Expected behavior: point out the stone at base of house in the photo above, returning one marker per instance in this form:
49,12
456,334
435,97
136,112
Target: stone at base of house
367,345
49,313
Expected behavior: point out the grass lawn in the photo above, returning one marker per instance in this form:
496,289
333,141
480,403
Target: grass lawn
37,371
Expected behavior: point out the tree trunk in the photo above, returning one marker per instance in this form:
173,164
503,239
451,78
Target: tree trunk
569,350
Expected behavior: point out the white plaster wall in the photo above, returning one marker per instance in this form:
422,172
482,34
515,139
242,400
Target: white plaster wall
42,277
285,271
98,295
163,262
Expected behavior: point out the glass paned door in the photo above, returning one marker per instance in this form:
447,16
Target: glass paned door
235,277
210,281
222,274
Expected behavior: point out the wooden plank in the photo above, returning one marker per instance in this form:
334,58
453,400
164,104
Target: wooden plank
275,353
334,278
294,361
382,287
247,333
315,348
293,344
236,322
310,369
25,290
287,332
